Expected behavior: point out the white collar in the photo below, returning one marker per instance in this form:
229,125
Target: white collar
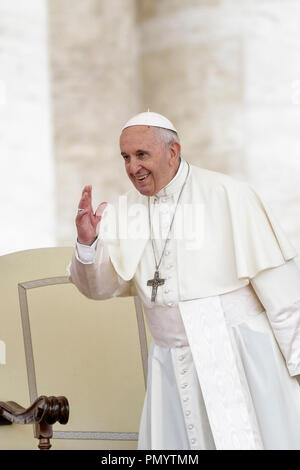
176,182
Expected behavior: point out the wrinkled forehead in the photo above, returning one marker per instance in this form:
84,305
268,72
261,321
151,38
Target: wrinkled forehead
135,137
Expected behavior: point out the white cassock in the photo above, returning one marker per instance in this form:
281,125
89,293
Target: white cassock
223,366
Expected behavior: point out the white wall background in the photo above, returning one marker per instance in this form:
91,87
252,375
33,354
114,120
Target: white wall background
226,72
26,171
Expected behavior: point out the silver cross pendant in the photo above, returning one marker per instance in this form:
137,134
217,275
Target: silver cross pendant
155,283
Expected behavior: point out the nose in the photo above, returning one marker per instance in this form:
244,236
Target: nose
134,166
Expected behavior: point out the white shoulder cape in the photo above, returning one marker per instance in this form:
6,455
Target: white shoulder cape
239,236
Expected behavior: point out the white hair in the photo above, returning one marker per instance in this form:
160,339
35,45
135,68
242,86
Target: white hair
167,136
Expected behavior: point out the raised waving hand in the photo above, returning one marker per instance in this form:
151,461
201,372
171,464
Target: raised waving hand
87,220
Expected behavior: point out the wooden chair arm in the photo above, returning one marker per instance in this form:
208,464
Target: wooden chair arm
44,412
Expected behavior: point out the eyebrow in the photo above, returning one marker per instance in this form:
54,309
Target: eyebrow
137,151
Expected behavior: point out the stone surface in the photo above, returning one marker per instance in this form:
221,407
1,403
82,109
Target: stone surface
95,88
225,72
27,172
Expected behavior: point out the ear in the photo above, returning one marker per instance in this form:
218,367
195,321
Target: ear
174,149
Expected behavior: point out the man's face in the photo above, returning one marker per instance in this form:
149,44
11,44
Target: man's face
149,164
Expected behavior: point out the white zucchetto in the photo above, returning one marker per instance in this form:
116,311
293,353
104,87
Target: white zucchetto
150,119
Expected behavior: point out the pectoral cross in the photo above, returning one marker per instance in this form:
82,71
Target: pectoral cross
155,283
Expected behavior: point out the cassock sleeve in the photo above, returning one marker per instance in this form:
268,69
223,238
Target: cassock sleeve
95,276
279,291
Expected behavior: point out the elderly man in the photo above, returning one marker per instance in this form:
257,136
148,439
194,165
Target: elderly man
220,290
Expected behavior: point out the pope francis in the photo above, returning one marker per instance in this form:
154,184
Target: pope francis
220,290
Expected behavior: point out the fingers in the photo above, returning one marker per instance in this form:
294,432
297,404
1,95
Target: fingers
81,214
85,204
86,198
87,188
100,209
98,215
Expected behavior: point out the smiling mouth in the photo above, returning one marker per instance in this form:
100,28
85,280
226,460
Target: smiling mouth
142,177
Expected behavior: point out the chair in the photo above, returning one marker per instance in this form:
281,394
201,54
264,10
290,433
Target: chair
57,342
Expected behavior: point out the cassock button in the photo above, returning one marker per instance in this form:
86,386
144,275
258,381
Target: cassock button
183,385
183,371
190,426
170,266
181,357
193,441
166,291
167,253
186,399
170,304
187,413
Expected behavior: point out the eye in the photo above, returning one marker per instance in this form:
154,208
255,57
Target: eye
125,157
141,154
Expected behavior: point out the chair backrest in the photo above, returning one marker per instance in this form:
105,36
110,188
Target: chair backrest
57,342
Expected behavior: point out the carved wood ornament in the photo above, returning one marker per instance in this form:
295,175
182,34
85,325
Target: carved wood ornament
44,412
